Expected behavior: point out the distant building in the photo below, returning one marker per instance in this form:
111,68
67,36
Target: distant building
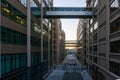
62,46
71,44
58,40
81,38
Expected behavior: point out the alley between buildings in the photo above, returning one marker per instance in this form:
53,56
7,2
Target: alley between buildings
69,69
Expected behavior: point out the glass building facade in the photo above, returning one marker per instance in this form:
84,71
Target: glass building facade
13,31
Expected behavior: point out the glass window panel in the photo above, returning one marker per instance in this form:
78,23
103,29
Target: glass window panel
95,25
115,47
21,60
2,64
24,2
8,63
115,68
23,76
13,62
3,34
17,61
96,2
114,6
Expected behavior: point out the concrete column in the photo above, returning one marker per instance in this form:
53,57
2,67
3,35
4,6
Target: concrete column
48,46
107,35
88,44
28,37
28,34
52,42
41,30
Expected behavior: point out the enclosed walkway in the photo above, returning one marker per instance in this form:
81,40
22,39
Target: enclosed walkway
63,12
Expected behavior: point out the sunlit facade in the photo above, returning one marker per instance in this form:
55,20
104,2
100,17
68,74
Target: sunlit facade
81,38
58,40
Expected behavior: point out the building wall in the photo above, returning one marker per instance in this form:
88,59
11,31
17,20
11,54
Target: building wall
56,31
13,29
103,50
62,46
81,38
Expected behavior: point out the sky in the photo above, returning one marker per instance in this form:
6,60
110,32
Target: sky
70,25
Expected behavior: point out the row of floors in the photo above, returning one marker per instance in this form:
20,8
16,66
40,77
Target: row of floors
14,57
35,72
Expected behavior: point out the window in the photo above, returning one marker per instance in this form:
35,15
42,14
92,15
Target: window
95,48
24,2
35,58
23,76
2,64
115,68
8,63
90,48
96,2
36,28
45,43
91,30
33,4
12,13
95,25
95,59
17,61
115,47
45,55
23,60
115,26
3,34
9,36
114,6
90,57
95,37
11,62
35,41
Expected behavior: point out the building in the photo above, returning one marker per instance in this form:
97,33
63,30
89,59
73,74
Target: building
71,44
62,46
23,56
81,38
103,49
56,36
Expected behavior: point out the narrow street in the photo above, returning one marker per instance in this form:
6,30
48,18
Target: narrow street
70,69
60,40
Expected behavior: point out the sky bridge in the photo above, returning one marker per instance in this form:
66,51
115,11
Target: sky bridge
63,12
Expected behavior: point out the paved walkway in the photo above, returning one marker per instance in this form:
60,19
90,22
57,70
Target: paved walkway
70,69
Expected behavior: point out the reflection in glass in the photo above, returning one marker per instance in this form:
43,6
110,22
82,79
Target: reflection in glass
114,6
